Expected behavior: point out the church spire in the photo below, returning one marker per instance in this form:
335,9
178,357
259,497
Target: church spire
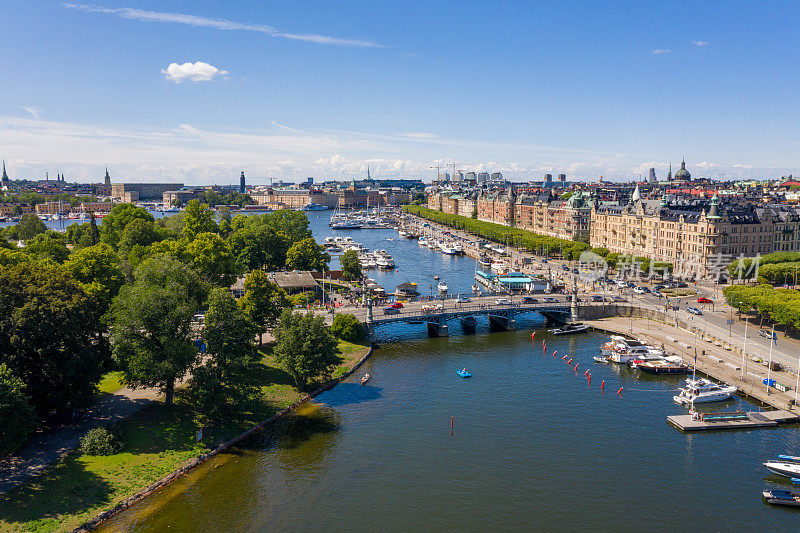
669,176
5,176
368,177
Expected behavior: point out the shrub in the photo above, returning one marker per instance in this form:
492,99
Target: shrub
347,327
16,415
100,441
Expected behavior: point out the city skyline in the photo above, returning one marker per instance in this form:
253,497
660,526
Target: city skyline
194,93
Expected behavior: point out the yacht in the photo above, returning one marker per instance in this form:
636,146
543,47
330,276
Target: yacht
498,265
402,233
485,261
787,466
458,249
702,391
422,241
432,245
447,248
311,206
384,262
442,286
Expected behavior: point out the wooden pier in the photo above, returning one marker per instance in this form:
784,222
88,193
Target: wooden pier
760,419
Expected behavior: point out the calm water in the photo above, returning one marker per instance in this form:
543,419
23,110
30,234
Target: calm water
534,445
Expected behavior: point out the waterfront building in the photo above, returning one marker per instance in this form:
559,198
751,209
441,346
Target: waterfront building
134,192
11,210
497,206
544,214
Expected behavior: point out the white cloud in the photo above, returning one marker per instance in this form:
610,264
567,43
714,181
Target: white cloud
699,43
217,24
659,51
198,71
196,155
417,135
33,110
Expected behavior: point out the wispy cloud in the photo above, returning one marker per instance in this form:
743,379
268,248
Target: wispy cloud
198,71
659,51
417,135
218,24
33,110
699,43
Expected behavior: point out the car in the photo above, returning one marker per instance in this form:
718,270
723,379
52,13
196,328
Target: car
767,334
529,300
659,287
502,301
681,285
391,311
646,290
551,300
630,285
657,293
544,261
694,310
574,270
565,267
619,299
638,290
597,298
396,305
703,300
463,299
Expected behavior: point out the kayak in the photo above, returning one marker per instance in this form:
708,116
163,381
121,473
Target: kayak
463,373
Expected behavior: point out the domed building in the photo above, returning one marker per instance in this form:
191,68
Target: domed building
683,174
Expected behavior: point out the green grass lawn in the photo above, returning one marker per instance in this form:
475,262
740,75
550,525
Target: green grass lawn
158,440
110,382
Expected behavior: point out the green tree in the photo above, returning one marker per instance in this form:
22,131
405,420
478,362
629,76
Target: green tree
136,237
16,414
50,335
211,255
258,246
351,266
225,379
198,218
29,226
225,227
48,245
347,327
475,213
97,270
115,222
305,348
152,335
307,255
263,301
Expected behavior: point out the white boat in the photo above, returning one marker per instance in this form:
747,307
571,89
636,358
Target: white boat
442,286
566,329
703,391
498,265
432,245
311,206
422,241
787,466
447,248
457,248
384,262
402,233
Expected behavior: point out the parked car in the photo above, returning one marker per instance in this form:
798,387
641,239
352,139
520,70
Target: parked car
502,301
463,299
544,261
597,298
391,311
659,287
703,300
529,300
657,293
681,284
565,268
645,290
551,300
767,334
694,310
638,290
396,305
619,299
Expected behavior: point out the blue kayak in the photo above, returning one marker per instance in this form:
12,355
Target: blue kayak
463,373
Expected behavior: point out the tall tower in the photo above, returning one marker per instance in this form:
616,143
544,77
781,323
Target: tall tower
241,183
368,176
107,179
669,174
6,181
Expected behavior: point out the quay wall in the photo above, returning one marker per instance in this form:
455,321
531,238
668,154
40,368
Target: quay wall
197,461
718,362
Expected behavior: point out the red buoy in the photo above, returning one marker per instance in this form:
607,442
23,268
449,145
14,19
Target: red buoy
565,357
451,426
602,385
620,391
576,368
533,335
590,380
570,361
586,373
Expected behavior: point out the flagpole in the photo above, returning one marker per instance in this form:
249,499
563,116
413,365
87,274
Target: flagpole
744,345
769,367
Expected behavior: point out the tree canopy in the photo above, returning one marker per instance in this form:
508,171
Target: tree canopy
305,348
351,266
307,255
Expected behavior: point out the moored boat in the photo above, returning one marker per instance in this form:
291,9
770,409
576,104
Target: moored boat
781,497
365,378
662,367
703,391
788,466
442,286
566,329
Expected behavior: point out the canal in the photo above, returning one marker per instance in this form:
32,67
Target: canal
533,444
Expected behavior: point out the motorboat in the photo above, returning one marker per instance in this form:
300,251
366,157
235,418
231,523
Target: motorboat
311,206
432,244
384,262
458,248
463,373
365,378
422,241
622,350
484,260
406,290
498,265
601,359
442,286
702,390
787,466
781,497
402,233
566,329
447,248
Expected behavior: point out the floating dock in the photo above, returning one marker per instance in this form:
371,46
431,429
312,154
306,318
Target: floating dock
759,419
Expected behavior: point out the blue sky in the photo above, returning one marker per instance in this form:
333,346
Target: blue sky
294,89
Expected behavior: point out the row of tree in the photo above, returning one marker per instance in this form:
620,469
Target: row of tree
125,294
781,306
503,234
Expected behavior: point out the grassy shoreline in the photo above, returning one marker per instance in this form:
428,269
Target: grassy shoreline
158,440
